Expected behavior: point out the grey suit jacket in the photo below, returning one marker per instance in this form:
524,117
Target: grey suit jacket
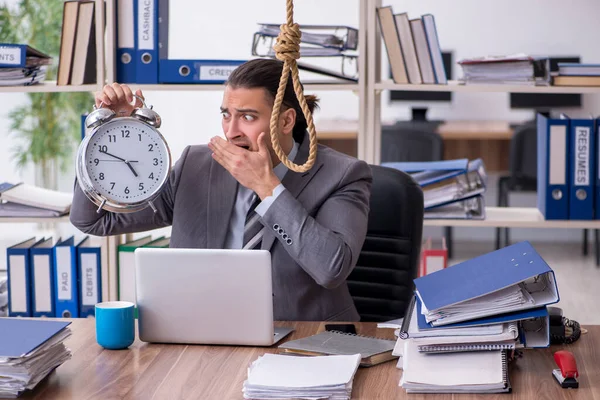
323,211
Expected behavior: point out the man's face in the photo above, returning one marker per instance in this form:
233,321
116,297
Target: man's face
246,113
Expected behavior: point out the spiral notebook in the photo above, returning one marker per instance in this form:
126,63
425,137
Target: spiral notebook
372,350
465,372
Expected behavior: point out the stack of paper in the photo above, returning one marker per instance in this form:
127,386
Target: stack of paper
3,297
29,351
452,189
24,200
274,376
477,372
517,69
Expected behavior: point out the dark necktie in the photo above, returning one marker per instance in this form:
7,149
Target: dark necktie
253,227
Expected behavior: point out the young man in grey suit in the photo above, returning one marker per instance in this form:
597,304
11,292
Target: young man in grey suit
314,222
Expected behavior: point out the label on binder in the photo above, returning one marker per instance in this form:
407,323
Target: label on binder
10,55
63,273
146,25
216,72
582,156
89,280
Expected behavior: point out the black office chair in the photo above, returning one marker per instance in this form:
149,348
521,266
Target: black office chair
381,284
414,141
523,176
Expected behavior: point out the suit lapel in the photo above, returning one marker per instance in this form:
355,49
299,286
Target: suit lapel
294,182
221,199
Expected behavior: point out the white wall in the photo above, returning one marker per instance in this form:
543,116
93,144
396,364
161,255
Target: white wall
223,29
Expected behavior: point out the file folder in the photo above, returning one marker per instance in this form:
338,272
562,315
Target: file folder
18,263
19,337
429,172
126,40
553,167
21,56
516,267
582,169
147,42
469,208
196,71
42,279
126,267
67,291
528,337
90,277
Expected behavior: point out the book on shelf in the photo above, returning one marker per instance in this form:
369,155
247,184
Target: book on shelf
77,61
566,80
34,196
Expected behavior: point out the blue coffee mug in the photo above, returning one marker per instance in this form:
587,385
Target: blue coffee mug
115,324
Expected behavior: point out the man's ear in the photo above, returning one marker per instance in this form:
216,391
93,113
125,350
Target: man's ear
287,120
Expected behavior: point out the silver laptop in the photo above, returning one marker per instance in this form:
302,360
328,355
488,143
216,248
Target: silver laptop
205,296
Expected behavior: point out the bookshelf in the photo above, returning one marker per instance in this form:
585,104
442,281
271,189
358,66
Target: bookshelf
514,217
454,86
218,87
19,220
370,138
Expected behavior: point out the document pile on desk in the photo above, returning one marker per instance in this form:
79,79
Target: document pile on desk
464,319
275,376
29,351
452,189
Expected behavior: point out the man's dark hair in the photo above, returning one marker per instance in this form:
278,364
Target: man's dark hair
265,73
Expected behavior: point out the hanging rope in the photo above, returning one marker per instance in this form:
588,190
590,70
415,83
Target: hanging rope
287,49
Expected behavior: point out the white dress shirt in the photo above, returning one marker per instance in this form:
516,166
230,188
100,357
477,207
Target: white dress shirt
243,202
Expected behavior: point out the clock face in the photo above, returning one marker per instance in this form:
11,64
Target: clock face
127,161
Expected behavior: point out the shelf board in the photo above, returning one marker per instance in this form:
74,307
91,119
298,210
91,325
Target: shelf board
217,87
47,87
454,86
35,220
514,217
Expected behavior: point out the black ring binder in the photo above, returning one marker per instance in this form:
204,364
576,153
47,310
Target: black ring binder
403,334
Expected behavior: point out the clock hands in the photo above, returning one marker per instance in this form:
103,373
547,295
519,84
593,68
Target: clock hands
122,159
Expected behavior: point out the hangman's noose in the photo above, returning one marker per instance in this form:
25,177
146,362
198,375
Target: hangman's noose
287,49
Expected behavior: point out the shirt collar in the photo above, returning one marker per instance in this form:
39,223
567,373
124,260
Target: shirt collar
280,169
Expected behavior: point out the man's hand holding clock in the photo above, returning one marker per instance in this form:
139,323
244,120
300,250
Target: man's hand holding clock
122,133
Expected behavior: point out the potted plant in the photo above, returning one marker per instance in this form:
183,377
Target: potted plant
48,125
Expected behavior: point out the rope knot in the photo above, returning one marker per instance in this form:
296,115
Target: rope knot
287,47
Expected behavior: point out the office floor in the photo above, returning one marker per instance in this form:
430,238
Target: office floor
577,276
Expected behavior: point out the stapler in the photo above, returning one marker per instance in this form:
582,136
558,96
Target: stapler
566,374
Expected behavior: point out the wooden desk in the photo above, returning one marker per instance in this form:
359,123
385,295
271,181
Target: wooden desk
489,140
153,371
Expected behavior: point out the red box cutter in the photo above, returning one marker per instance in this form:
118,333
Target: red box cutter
567,374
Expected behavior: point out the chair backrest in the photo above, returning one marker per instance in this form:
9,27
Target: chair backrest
381,284
406,142
523,156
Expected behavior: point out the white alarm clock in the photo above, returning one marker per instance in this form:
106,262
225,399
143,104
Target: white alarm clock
123,163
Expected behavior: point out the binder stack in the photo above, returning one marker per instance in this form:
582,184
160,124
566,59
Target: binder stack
568,184
29,351
318,42
22,65
452,189
476,313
